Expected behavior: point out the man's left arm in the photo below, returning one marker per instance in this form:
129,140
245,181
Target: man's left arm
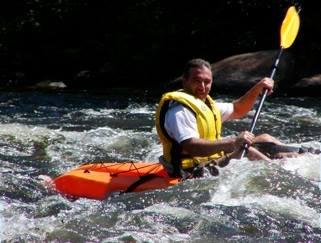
246,102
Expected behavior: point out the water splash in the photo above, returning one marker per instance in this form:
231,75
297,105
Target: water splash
249,201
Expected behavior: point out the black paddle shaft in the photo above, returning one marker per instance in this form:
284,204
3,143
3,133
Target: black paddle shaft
258,110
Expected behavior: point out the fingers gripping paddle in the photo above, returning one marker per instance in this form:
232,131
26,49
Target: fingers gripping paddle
289,30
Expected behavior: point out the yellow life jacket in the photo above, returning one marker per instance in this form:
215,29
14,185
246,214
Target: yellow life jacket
209,124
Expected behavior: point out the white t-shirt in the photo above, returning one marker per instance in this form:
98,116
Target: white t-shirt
180,122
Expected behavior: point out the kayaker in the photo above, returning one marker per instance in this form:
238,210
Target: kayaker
189,123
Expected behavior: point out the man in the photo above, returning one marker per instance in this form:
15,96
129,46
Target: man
189,123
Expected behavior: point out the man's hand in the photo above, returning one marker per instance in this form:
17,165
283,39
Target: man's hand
265,83
243,138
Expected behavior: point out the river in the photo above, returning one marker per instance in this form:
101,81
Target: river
250,201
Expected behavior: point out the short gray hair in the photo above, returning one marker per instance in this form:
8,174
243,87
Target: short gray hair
195,63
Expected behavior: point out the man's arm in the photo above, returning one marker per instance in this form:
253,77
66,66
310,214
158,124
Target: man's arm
202,147
245,103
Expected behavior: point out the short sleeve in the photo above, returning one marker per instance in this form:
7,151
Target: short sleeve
226,110
180,123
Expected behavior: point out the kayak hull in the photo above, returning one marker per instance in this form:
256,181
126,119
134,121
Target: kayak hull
99,180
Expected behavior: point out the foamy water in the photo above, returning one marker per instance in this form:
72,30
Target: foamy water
248,201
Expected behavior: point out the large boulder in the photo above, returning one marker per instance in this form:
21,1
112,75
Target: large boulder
240,72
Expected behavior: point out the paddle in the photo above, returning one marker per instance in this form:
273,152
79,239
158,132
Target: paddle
288,33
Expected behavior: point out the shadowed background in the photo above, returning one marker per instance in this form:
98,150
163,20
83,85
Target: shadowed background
142,44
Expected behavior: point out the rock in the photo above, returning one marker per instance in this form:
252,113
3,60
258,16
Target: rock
314,81
50,85
307,86
240,72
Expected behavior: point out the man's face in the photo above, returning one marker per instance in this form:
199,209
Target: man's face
199,82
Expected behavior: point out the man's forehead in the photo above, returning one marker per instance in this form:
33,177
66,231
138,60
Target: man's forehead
198,70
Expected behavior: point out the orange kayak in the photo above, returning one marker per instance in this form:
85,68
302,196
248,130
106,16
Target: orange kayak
99,180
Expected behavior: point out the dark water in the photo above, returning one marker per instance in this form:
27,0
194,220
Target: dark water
251,201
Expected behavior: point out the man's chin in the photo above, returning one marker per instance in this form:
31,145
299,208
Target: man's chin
201,96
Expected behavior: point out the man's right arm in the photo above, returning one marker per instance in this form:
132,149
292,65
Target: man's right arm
202,147
180,124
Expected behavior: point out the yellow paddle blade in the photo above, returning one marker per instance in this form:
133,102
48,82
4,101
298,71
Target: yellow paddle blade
290,27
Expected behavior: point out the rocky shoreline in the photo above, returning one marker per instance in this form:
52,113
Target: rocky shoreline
232,75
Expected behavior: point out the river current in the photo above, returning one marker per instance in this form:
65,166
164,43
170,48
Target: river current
250,201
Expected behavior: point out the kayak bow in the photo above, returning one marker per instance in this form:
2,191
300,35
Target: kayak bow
99,180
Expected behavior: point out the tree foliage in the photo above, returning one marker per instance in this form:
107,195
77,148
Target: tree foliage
147,41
